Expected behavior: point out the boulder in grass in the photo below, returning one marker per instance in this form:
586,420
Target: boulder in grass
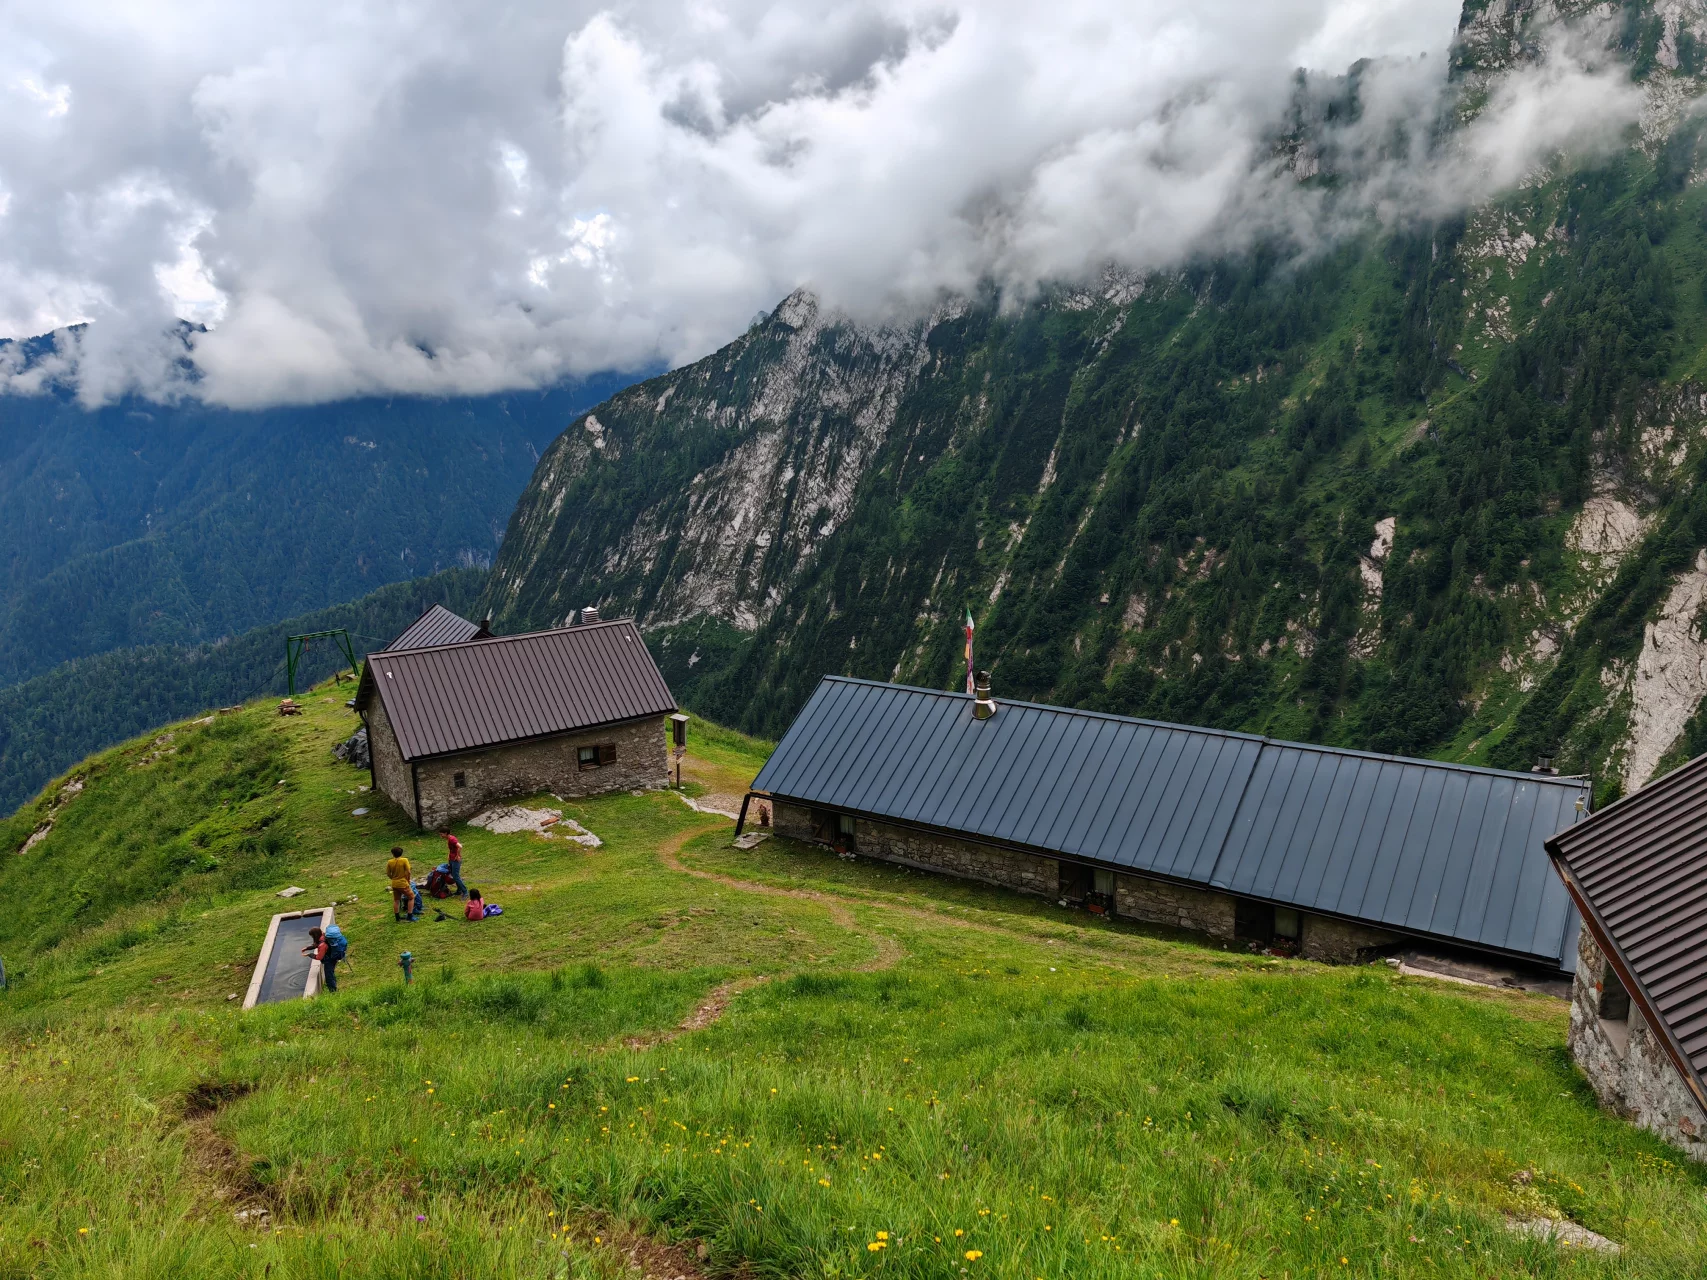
354,749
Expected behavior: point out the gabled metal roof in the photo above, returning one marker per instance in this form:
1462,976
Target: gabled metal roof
482,693
1448,851
438,625
1638,870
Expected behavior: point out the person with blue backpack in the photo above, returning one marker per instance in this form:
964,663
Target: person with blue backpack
328,946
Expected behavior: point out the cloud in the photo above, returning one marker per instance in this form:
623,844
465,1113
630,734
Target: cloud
438,198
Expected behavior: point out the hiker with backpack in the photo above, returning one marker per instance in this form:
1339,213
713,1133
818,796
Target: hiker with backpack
453,861
328,946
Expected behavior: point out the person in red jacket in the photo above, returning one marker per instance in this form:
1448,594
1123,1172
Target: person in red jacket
453,861
476,909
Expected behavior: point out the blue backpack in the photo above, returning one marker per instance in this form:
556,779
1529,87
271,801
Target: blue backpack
337,945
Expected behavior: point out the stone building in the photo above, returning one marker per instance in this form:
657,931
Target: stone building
1638,873
453,727
1335,855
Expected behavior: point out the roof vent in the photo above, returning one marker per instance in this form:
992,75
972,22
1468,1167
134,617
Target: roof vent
1544,764
984,705
589,615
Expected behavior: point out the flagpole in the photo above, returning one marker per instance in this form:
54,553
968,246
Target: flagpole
970,684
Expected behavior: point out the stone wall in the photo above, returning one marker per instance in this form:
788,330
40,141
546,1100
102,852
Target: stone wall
1637,1079
1177,906
1009,868
1027,872
390,773
548,764
1135,897
1339,941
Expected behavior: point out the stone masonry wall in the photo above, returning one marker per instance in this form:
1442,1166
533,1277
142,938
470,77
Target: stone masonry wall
1639,1082
1009,868
1027,872
1338,941
390,773
786,820
1179,907
1135,897
549,764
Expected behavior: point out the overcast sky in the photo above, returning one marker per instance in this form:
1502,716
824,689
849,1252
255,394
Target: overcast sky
443,197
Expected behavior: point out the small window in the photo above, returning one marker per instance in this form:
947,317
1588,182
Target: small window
1614,999
1614,1008
1286,923
459,779
1104,883
595,757
845,832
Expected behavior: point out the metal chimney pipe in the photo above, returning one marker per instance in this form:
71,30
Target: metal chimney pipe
589,614
983,706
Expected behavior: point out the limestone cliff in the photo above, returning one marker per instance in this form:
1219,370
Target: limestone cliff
1434,490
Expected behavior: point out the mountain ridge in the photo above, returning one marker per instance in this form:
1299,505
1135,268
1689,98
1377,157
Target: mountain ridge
1431,491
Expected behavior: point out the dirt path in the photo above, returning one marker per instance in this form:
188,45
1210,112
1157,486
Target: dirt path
889,951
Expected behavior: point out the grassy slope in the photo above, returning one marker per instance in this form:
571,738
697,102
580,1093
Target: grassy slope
932,1068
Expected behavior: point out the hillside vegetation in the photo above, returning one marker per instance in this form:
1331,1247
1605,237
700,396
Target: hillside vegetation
1425,491
674,1057
142,524
54,719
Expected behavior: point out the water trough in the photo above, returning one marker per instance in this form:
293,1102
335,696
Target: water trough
283,972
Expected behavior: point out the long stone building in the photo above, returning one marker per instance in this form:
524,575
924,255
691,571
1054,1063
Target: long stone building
1638,873
1337,854
453,727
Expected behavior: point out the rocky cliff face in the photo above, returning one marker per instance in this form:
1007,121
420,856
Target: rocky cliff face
1435,491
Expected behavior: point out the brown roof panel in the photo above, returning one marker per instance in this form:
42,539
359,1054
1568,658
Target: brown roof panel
438,625
461,697
1638,870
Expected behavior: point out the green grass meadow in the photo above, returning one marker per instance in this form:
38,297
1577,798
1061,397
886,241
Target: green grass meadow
909,1076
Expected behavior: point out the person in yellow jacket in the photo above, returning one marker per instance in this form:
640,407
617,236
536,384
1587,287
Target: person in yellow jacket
402,890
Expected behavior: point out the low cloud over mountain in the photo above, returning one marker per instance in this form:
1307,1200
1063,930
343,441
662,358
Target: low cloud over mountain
437,198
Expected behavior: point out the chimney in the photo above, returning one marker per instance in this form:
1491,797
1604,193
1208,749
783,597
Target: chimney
984,706
590,614
1544,764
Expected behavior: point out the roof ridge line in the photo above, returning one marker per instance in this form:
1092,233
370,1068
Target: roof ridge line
1239,734
520,635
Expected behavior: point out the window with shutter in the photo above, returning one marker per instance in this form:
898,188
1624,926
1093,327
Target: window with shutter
587,758
607,753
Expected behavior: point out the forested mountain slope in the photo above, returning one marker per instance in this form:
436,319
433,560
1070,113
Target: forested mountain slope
141,523
51,721
1435,490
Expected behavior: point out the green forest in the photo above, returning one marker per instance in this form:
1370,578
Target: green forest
139,523
1169,504
51,721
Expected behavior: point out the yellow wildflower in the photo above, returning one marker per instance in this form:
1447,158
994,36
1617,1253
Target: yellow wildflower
972,1255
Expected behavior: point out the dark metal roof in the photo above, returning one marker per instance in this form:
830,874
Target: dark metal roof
1638,870
438,625
461,697
1418,846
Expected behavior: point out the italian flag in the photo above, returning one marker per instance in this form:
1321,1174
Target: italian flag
970,687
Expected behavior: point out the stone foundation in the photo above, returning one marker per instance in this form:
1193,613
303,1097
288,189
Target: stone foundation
1628,1066
1160,902
1339,941
1174,905
517,769
1010,869
1027,872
